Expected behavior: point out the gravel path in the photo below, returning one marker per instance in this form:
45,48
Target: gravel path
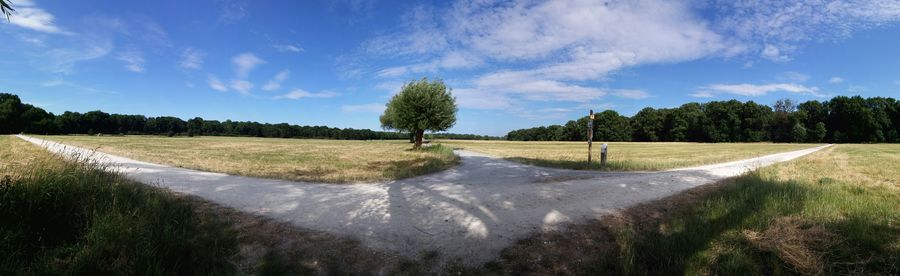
471,211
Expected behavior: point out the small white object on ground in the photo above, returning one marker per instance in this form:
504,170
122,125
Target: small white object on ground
469,212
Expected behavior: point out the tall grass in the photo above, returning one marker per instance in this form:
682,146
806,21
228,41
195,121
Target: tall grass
64,217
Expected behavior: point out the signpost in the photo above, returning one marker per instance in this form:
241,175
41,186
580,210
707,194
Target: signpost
590,135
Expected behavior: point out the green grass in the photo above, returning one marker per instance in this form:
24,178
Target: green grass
331,161
834,212
623,156
61,217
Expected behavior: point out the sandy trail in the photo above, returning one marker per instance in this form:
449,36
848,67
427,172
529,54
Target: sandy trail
469,212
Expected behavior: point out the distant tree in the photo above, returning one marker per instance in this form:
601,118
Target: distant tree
818,133
10,110
421,106
798,133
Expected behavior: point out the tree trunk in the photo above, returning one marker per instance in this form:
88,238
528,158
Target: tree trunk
419,135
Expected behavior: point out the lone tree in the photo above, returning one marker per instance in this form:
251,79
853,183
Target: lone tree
421,105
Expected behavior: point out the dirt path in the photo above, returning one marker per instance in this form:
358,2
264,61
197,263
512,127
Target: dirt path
469,212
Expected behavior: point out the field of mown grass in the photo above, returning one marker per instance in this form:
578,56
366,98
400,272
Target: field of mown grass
332,161
623,156
834,212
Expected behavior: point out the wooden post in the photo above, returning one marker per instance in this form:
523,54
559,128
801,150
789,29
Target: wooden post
603,156
590,135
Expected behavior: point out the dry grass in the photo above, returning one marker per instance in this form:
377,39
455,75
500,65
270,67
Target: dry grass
834,212
331,161
17,156
624,156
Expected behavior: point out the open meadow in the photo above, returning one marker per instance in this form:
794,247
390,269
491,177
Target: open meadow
834,212
623,156
331,161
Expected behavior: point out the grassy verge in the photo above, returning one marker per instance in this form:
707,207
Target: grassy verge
834,212
331,161
623,156
63,217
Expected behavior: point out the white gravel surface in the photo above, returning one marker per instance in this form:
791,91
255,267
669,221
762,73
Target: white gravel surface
470,212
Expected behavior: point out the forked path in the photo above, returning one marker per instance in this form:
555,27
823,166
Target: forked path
469,212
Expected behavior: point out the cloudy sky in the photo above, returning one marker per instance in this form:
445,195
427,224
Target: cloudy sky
511,64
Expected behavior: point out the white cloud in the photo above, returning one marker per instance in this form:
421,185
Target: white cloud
215,83
191,58
778,27
27,15
772,53
702,94
631,94
133,59
275,82
244,63
297,94
364,108
287,48
836,80
762,89
241,86
452,60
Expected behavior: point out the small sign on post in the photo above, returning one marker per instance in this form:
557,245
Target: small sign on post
590,134
603,156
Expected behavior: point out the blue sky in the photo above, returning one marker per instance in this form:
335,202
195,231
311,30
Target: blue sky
511,64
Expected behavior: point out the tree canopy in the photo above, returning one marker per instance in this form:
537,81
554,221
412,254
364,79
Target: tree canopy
840,120
421,105
16,117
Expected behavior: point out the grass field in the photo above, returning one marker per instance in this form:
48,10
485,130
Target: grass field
623,156
835,212
332,161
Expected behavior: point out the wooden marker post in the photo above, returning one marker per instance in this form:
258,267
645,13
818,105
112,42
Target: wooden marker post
603,156
590,135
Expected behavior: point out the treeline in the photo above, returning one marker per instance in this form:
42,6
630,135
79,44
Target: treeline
839,120
16,117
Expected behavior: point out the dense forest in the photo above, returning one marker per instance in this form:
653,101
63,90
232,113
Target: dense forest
16,117
839,120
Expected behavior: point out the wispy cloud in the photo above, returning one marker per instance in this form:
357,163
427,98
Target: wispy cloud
215,83
836,80
275,82
244,63
133,59
297,94
63,60
791,76
364,108
241,86
702,94
232,10
28,15
191,58
60,82
753,90
287,48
